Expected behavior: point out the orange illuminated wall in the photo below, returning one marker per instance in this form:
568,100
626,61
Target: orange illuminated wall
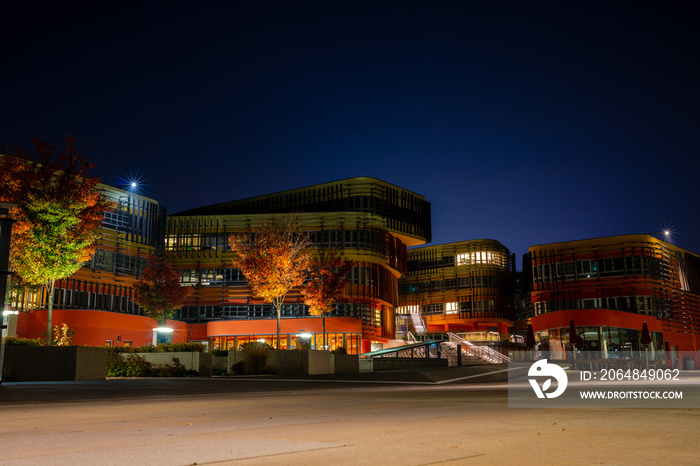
289,326
95,328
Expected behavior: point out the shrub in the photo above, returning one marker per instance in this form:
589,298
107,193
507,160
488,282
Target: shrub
254,358
19,341
131,366
340,350
219,352
134,365
192,347
63,335
239,368
176,369
303,344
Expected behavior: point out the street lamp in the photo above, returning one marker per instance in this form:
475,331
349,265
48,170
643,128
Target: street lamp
663,234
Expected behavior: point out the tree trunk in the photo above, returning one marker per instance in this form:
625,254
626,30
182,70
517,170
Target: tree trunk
49,313
323,324
279,325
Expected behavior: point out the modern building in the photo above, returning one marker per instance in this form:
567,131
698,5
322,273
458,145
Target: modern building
97,299
609,287
464,287
366,220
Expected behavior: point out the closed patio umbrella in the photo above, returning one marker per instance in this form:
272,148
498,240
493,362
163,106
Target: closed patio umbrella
575,340
530,338
646,336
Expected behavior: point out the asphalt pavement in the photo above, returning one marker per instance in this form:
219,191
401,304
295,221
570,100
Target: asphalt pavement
403,418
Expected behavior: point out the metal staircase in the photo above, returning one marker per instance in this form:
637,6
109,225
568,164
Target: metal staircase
419,325
471,353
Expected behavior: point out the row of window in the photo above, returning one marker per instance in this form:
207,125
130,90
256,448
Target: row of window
369,313
350,341
72,299
373,240
647,305
117,262
653,267
208,277
481,281
136,218
609,340
492,258
358,275
482,305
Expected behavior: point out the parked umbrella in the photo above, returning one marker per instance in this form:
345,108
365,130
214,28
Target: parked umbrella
575,340
530,338
646,340
646,336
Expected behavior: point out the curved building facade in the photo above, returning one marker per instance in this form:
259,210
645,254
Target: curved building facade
460,287
131,230
609,287
367,220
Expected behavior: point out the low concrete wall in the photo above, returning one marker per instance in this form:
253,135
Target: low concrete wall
346,364
388,364
233,358
47,363
302,362
200,362
219,364
289,362
319,362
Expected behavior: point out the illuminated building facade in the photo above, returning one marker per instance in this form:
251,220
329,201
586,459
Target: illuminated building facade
460,287
366,220
609,287
97,299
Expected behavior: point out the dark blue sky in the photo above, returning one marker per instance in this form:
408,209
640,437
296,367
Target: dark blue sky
525,122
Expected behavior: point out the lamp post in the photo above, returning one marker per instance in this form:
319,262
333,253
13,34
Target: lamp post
5,272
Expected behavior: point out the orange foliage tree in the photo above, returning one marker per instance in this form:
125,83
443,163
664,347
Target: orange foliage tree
326,281
158,290
274,258
58,210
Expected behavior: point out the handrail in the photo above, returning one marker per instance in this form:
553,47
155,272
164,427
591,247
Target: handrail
415,349
418,324
484,352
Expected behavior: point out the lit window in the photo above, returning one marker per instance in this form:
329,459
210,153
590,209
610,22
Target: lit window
478,257
408,310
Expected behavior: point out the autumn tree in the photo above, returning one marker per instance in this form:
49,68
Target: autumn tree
274,258
58,210
326,281
158,290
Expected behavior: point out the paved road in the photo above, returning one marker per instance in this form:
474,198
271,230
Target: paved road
274,421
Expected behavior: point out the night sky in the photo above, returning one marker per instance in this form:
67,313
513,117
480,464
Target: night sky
524,122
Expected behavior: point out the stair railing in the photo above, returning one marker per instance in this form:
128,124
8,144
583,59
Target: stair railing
484,352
